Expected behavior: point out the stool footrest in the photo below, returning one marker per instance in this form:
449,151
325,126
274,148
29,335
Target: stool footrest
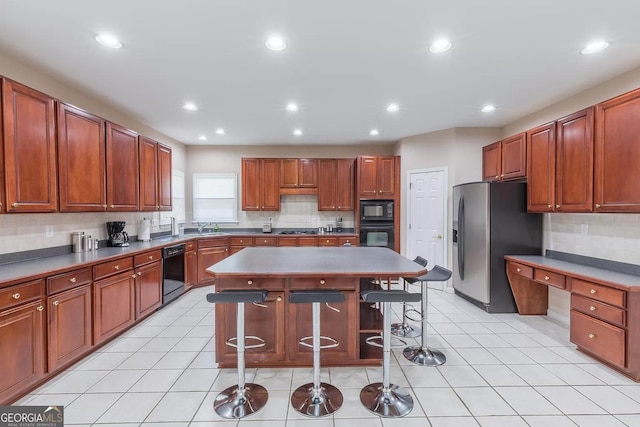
261,343
334,342
413,310
372,341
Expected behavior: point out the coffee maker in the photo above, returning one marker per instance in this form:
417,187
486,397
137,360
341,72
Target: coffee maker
117,235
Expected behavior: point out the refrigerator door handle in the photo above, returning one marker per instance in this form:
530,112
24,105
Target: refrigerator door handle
461,238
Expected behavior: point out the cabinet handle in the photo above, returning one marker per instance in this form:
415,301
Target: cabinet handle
592,336
322,282
139,273
593,291
592,308
557,206
15,205
73,280
133,275
16,295
597,206
497,176
279,299
249,282
116,267
56,302
549,206
518,270
546,277
40,308
112,206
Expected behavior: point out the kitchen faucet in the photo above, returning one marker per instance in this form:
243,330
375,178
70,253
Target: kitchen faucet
202,227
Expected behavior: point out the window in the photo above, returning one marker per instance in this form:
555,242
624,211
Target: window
215,197
177,200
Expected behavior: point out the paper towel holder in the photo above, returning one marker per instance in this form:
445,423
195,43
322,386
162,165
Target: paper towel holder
144,230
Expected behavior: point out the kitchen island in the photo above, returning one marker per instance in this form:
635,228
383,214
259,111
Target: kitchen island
280,324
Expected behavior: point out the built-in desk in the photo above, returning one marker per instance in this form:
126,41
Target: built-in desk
605,306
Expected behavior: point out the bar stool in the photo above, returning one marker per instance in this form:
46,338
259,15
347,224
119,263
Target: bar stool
404,329
316,399
386,399
243,399
423,355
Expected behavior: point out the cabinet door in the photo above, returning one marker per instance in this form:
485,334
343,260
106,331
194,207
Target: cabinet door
264,320
148,288
122,169
2,207
617,154
492,161
340,326
206,258
327,181
269,179
386,177
81,159
190,269
345,185
514,157
69,328
29,149
23,327
148,154
165,174
367,177
251,184
574,163
288,173
541,168
113,306
307,173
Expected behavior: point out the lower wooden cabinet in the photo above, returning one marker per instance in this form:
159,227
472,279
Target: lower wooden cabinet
190,269
148,288
206,258
598,337
22,348
69,326
113,305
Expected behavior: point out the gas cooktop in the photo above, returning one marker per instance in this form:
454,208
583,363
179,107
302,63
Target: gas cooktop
299,232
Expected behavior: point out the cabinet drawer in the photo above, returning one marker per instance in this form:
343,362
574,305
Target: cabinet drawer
213,242
549,278
597,309
327,241
113,267
147,257
190,246
266,241
18,294
598,292
320,283
523,270
598,337
250,283
241,241
70,280
287,241
307,241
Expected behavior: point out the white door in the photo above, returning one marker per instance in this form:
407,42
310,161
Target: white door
427,213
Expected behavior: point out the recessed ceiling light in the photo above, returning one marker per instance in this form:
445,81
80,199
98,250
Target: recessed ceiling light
594,47
374,132
108,40
189,106
488,108
292,107
297,132
440,45
220,131
202,137
392,108
276,43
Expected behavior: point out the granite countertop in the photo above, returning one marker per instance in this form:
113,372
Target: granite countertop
579,270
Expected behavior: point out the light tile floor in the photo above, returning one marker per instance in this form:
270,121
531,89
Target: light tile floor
501,370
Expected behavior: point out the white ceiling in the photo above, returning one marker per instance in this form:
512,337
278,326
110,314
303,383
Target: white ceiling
345,61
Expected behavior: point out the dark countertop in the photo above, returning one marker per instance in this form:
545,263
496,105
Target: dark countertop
314,262
599,274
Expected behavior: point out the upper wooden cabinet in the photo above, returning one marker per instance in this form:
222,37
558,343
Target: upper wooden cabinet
298,176
377,176
28,136
541,168
260,184
81,160
155,175
505,160
122,168
336,185
617,154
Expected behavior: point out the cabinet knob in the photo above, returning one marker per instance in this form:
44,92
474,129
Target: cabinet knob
116,267
73,280
327,240
497,176
157,206
322,282
557,206
56,302
597,206
15,205
279,299
139,273
592,308
502,175
592,336
241,241
16,295
249,282
104,206
150,256
518,270
133,275
112,206
593,291
0,204
40,308
549,206
546,277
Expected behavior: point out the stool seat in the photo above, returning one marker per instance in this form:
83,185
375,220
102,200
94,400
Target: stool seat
393,295
237,296
307,297
418,260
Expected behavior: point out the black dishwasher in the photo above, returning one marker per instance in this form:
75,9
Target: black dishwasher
172,273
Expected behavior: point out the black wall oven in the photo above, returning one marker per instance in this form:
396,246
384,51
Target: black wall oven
380,235
376,211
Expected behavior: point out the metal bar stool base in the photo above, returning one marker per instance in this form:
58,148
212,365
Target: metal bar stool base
405,330
231,404
394,402
316,402
424,356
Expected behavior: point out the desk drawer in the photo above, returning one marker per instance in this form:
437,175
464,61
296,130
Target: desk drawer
522,270
250,284
19,294
598,292
549,278
307,241
241,241
598,337
266,241
343,283
113,267
147,257
327,241
597,309
70,280
287,241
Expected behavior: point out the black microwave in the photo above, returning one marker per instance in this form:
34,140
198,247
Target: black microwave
376,210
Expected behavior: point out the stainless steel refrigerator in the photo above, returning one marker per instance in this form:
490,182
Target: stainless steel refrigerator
490,220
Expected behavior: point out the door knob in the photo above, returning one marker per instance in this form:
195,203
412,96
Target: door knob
439,236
